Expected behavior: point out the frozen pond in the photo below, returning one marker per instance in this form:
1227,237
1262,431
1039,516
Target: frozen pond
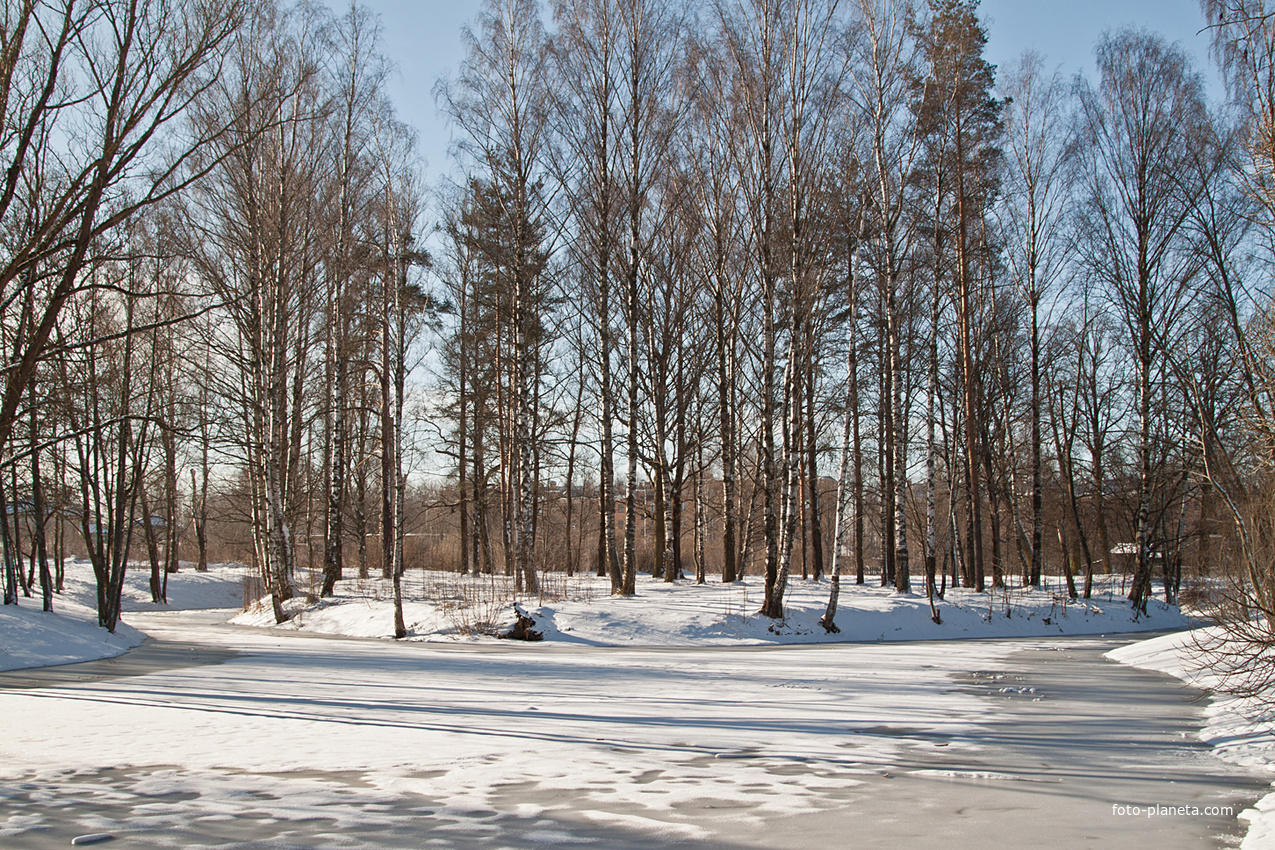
212,736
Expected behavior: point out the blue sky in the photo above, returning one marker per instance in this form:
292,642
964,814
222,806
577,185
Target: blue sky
422,37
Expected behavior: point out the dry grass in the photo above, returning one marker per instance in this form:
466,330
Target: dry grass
480,604
470,604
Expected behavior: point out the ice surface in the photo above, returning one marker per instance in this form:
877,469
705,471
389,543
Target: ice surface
1239,730
691,718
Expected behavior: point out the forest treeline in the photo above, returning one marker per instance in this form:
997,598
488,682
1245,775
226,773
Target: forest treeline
722,287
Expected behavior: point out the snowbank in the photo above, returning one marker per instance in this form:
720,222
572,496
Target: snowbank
220,587
448,607
451,607
30,637
1239,730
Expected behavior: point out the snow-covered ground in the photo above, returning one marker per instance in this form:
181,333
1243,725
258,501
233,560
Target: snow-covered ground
298,740
451,607
645,739
31,638
1240,730
461,726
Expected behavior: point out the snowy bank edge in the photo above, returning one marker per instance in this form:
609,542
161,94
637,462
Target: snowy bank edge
686,615
1229,728
31,638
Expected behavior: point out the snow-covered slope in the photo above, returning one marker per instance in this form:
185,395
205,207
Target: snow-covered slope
29,637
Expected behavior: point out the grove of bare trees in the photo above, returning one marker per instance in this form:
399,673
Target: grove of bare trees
716,289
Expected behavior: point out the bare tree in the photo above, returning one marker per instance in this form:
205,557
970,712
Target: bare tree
1238,473
885,54
813,70
587,52
849,509
715,185
647,35
751,31
1139,127
253,236
962,124
94,97
110,422
1035,203
358,73
403,306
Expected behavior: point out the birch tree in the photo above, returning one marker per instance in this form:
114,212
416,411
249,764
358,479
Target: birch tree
587,53
1034,208
1139,126
848,519
253,234
647,33
715,186
879,84
752,40
357,73
812,77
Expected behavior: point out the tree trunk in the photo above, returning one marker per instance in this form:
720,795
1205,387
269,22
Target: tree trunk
152,550
38,511
812,450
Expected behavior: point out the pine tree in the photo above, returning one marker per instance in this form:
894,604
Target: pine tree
960,121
